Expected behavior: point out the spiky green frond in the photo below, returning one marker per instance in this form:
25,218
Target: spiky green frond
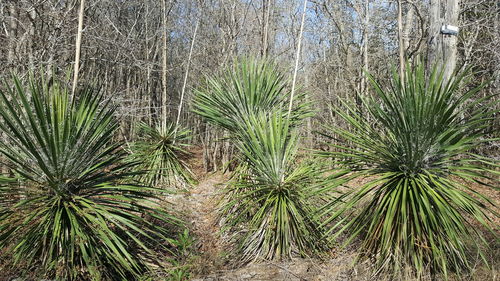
272,196
161,152
270,193
74,212
249,87
414,145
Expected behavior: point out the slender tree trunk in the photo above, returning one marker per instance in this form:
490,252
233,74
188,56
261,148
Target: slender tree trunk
186,75
164,65
156,105
266,11
327,80
497,53
297,58
31,37
401,42
11,51
408,27
434,55
12,36
364,86
78,45
310,139
147,96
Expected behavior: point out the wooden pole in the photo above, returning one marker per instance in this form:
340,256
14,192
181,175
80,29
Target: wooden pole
450,41
443,47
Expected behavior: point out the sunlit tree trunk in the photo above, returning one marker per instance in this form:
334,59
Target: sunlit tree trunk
78,44
164,65
401,41
297,58
186,74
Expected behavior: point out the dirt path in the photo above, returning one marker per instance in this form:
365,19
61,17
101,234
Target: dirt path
204,222
200,211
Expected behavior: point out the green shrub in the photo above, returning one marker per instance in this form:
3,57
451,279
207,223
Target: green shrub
271,196
74,212
248,88
414,146
160,151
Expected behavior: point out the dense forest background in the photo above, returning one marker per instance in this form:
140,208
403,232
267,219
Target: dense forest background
139,50
249,139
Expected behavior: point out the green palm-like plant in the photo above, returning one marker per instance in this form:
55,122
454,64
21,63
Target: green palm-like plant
74,212
415,144
249,87
160,152
272,195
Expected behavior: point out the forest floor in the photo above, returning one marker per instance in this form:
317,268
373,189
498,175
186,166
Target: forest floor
214,262
214,252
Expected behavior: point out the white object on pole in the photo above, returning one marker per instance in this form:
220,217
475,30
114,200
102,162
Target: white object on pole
449,29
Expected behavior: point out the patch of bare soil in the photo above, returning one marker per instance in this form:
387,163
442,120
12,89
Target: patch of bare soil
296,270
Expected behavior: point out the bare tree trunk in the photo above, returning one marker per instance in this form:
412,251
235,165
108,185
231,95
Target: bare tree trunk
164,65
31,36
408,27
147,96
327,81
78,45
497,53
297,59
401,42
186,75
364,86
310,139
266,11
12,34
435,43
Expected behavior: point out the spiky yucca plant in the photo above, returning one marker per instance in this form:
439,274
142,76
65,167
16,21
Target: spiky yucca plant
74,212
247,88
160,151
272,195
414,145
